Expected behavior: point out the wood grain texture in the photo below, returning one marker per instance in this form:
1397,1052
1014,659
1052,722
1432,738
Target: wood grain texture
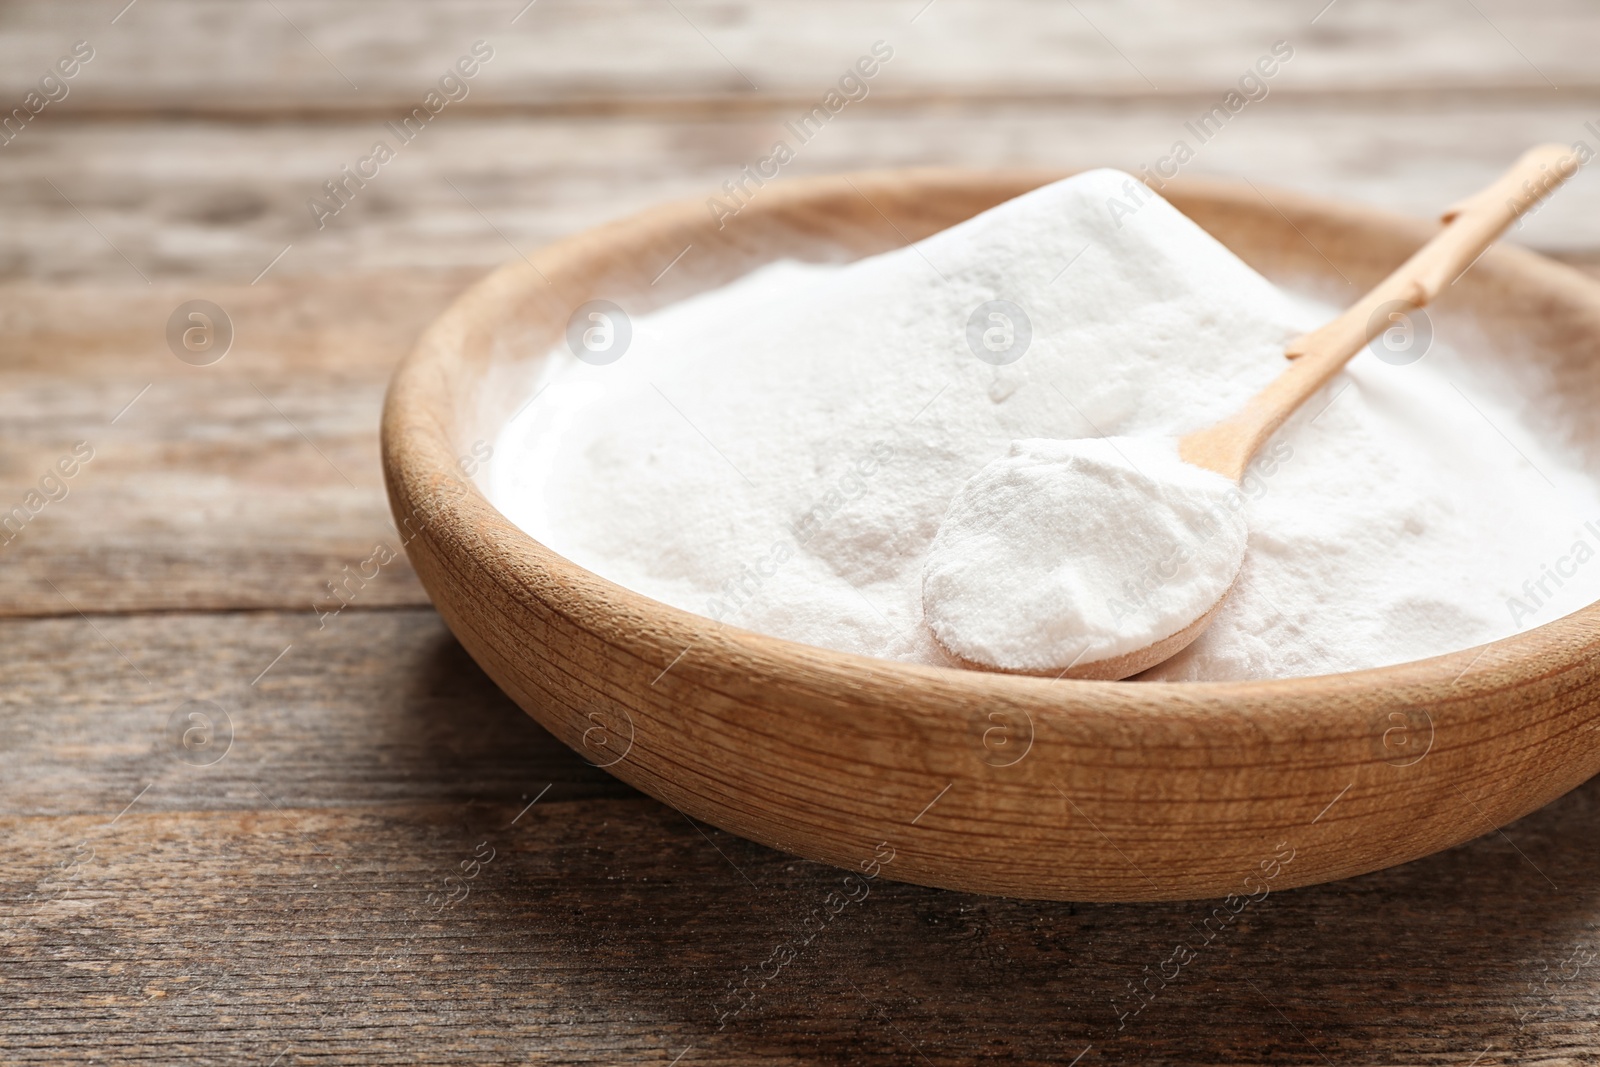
211,201
273,905
212,925
388,684
826,754
251,482
306,57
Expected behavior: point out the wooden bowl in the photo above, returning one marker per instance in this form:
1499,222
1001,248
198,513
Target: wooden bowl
1068,790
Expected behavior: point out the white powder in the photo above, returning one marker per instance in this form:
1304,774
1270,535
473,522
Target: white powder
1064,553
779,453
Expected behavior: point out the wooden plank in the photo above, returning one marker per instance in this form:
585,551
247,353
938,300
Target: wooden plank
311,56
251,482
371,707
125,202
213,923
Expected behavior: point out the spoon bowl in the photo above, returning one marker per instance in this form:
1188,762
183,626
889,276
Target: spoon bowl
1113,668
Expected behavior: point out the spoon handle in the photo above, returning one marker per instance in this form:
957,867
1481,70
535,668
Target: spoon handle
1471,226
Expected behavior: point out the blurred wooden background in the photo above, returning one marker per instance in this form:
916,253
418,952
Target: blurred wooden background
287,903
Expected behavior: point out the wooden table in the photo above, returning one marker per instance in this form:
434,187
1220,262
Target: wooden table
364,853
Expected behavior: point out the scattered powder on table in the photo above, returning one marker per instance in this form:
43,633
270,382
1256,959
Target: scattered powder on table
779,454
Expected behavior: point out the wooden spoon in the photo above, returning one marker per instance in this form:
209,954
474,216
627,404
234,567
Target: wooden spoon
1226,448
1471,226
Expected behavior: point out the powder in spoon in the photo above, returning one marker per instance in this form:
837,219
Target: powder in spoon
1064,553
779,453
